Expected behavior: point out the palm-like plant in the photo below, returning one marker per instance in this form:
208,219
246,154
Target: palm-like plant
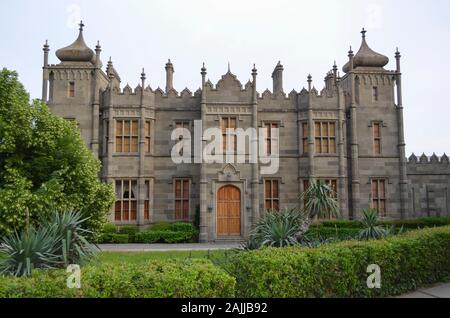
319,201
30,249
278,229
371,228
72,245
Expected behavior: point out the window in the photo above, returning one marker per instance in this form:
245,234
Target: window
147,200
127,136
271,139
126,201
71,89
375,94
185,125
305,138
272,195
379,196
147,132
377,138
228,123
325,134
182,194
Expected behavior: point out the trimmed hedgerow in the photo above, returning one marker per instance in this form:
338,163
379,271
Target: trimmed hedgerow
407,262
407,224
113,238
156,279
168,233
335,233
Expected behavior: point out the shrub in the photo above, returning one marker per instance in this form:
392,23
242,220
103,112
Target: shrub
170,237
371,230
407,224
161,226
156,279
131,230
148,237
28,250
407,262
109,228
336,233
113,238
278,229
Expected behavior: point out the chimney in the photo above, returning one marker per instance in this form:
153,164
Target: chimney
277,77
169,76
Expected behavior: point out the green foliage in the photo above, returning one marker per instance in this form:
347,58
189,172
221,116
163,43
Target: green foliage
161,226
340,234
319,201
28,250
409,261
58,242
171,233
278,229
370,228
113,238
71,244
44,163
155,279
131,231
109,228
407,224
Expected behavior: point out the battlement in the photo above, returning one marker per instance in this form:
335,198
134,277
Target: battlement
425,165
424,159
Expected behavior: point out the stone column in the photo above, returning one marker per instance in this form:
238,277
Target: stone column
169,76
142,152
341,150
45,78
401,143
311,135
203,178
255,165
96,103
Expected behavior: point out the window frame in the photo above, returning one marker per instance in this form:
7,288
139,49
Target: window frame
225,135
379,198
269,139
376,138
273,200
328,139
182,199
131,202
123,137
71,89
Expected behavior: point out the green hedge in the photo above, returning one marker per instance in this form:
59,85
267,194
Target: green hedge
168,233
407,262
170,237
113,238
131,231
323,232
156,279
407,224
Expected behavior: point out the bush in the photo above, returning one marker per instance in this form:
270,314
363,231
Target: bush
156,279
113,238
161,226
131,231
337,233
109,228
171,237
407,224
407,262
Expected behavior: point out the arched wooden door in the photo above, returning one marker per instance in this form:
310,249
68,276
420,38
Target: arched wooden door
229,211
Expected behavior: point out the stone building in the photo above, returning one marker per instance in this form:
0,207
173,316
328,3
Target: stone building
349,134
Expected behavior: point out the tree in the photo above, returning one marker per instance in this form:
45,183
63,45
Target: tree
44,163
319,201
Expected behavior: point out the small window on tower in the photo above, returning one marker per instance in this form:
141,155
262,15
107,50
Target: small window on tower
375,94
71,89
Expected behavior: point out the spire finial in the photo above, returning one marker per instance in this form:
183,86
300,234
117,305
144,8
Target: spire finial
229,68
254,71
81,26
203,70
46,46
143,75
363,32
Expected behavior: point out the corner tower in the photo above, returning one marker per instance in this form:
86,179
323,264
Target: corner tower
74,87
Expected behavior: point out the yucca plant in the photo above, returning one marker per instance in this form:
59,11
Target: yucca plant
278,229
372,230
320,201
30,249
72,246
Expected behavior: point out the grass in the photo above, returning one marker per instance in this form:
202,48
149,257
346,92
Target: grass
142,257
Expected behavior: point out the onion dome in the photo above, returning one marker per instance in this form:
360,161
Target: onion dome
366,57
78,51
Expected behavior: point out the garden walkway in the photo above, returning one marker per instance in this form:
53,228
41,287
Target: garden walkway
166,247
438,291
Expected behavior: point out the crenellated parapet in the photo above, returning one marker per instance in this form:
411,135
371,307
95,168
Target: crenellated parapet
428,164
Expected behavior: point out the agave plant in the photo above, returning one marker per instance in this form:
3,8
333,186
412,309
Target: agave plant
30,249
277,229
319,201
371,229
72,246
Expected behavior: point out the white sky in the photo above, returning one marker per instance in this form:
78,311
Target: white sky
307,36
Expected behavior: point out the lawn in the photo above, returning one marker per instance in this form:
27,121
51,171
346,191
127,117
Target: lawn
142,257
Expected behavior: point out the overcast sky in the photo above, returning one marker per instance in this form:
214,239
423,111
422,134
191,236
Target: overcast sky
307,36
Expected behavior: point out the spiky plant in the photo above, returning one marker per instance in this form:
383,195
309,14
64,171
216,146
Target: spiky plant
371,229
30,249
277,229
72,247
320,201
